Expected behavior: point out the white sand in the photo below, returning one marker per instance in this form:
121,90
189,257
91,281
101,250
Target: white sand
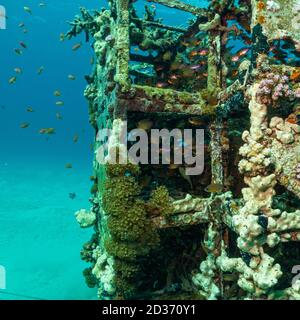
40,240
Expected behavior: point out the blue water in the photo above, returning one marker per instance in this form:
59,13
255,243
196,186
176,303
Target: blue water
40,241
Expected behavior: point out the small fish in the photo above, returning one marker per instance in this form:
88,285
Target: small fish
12,80
243,52
75,138
21,25
18,51
214,188
23,44
195,67
47,131
72,195
40,70
193,53
59,103
173,166
185,176
29,109
203,52
28,10
76,46
235,58
161,85
71,77
25,31
196,121
57,93
68,166
145,124
42,4
24,125
58,116
92,60
173,77
62,37
18,70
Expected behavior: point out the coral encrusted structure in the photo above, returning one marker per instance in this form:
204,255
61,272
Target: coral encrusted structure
231,232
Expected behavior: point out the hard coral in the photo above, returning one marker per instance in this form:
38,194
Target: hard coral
274,88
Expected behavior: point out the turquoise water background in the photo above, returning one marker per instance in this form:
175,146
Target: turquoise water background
40,240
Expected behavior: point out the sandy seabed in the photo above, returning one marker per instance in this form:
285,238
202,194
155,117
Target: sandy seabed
40,241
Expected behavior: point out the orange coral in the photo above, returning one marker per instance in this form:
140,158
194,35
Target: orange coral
260,5
261,19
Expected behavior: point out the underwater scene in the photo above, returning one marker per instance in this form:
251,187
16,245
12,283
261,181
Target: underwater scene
150,150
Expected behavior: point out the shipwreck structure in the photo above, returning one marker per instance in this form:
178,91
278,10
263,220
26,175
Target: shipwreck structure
232,69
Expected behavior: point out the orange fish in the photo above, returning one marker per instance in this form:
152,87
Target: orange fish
203,52
295,75
235,58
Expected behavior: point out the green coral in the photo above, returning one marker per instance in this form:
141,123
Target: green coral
159,202
132,233
90,279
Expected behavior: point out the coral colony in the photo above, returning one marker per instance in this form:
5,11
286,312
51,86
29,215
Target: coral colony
231,232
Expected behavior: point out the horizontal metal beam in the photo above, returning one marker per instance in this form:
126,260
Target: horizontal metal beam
181,6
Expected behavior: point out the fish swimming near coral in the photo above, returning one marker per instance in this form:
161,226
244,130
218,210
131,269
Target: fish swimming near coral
24,125
23,44
18,51
196,121
214,188
47,131
29,109
75,138
18,70
12,80
77,46
28,10
59,116
62,37
72,195
145,124
71,77
40,70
